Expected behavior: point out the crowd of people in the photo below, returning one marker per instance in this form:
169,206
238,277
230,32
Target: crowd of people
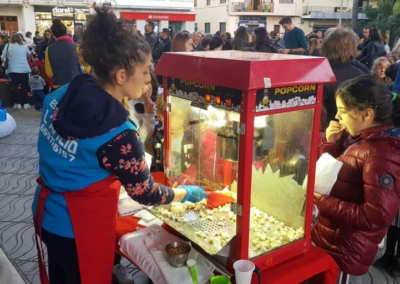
102,77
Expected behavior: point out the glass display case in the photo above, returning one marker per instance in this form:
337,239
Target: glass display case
249,137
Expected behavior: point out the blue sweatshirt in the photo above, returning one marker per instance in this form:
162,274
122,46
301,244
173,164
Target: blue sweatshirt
296,39
17,58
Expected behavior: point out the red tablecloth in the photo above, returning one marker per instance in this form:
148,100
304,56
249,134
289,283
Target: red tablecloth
315,265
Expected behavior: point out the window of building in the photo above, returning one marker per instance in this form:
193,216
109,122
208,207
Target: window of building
195,3
222,27
277,29
222,1
196,28
286,1
208,2
8,24
207,28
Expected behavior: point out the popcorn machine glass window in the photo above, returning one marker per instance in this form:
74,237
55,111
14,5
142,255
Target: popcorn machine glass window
280,164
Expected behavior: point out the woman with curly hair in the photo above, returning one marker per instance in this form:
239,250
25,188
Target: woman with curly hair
88,148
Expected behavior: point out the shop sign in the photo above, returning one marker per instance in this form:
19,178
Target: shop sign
252,18
158,16
62,10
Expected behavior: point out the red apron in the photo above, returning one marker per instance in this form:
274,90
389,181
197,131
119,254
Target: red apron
93,213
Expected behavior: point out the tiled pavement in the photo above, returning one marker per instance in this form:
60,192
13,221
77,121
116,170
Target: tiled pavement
18,172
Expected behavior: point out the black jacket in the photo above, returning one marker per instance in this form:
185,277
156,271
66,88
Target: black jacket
372,51
342,71
266,48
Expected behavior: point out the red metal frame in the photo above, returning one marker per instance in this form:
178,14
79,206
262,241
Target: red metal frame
220,69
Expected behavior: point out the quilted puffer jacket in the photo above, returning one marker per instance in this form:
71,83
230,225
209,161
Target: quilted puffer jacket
364,201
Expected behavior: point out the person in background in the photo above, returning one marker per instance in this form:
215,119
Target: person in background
227,38
182,42
262,43
295,40
373,50
150,35
63,61
48,40
320,34
218,33
340,48
365,39
165,37
29,40
3,42
142,110
276,40
196,39
395,53
379,68
391,73
78,33
314,47
37,38
364,201
241,39
78,195
216,43
204,45
37,84
16,53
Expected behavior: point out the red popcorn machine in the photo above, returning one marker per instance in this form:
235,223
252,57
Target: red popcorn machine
245,126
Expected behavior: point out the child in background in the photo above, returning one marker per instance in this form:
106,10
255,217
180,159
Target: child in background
379,68
37,85
391,73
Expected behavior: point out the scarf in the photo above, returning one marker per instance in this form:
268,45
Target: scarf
65,38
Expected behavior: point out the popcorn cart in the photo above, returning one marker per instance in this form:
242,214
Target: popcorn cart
245,126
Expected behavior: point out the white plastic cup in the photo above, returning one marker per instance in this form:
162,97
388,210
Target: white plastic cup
243,271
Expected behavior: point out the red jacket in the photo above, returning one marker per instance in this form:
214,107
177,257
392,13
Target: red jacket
364,201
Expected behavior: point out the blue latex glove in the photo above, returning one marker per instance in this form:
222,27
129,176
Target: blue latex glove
194,193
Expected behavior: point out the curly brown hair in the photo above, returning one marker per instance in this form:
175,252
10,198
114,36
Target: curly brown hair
341,45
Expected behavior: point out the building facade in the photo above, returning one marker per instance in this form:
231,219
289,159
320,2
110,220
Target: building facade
177,15
228,15
309,15
321,15
32,15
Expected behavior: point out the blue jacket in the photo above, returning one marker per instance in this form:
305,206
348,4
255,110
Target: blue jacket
72,164
17,58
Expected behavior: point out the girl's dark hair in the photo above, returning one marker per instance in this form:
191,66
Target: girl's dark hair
154,86
377,96
374,35
216,42
16,38
28,34
179,41
44,36
107,45
261,36
205,42
58,28
241,39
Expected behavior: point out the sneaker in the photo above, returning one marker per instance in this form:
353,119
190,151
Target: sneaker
122,274
18,106
27,106
387,260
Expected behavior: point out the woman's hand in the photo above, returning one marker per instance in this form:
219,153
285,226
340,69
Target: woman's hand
334,132
317,197
148,104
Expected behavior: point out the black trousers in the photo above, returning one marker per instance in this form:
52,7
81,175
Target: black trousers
20,95
62,259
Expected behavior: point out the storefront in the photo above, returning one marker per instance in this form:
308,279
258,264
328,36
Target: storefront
70,16
175,21
252,22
